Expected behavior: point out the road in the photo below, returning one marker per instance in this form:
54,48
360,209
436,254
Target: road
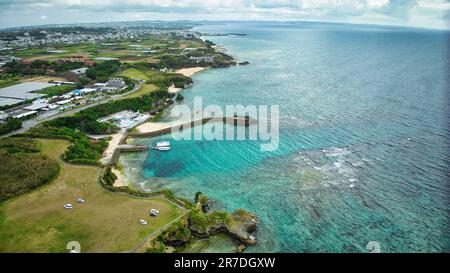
54,114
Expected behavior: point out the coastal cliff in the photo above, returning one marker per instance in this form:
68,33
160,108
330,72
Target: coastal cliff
203,223
241,224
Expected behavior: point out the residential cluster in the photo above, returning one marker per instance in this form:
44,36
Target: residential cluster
26,39
78,97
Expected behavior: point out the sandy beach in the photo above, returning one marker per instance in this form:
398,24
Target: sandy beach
190,71
121,180
149,126
173,89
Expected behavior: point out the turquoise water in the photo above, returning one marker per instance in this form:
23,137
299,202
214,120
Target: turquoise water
364,138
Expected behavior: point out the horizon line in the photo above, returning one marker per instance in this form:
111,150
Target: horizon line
236,20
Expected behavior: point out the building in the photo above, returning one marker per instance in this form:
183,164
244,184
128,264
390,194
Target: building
36,106
207,59
76,92
23,113
116,83
79,71
62,102
126,119
85,91
63,83
99,84
3,115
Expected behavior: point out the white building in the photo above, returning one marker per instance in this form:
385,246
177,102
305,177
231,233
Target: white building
3,115
36,106
85,91
80,71
22,114
116,83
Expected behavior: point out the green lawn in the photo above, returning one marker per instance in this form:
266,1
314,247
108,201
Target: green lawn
134,73
8,82
107,222
145,89
56,90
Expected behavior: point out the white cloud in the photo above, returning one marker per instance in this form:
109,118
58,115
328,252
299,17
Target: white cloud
377,3
428,13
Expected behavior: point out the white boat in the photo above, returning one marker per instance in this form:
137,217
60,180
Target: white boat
163,148
163,144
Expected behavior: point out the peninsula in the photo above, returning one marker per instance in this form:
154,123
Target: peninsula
87,94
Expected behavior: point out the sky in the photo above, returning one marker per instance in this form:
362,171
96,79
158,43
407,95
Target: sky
415,13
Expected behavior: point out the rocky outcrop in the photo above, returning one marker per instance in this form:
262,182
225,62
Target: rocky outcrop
177,235
241,224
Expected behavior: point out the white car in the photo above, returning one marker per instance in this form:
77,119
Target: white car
80,200
68,206
154,212
143,222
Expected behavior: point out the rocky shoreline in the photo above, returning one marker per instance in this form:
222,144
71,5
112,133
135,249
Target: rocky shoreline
203,223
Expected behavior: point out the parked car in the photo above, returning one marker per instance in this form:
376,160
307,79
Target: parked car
154,212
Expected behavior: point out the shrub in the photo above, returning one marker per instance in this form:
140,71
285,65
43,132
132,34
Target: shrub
81,151
22,168
109,177
10,125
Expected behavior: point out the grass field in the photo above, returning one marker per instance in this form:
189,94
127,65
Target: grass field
134,73
107,222
146,89
42,79
127,51
9,82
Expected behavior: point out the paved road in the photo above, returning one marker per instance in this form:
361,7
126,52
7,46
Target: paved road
54,114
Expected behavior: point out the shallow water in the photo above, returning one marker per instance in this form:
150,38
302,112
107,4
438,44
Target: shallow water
364,139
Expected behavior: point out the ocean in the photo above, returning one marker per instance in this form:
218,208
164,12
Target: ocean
364,137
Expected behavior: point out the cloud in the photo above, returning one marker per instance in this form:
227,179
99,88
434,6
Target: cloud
428,13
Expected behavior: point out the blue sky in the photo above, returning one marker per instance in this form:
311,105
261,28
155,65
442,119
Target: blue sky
420,13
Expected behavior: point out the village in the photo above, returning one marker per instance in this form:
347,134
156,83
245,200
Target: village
41,104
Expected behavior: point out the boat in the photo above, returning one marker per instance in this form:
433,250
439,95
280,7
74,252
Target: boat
163,148
163,144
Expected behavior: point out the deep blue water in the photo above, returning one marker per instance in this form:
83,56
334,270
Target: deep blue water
364,138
